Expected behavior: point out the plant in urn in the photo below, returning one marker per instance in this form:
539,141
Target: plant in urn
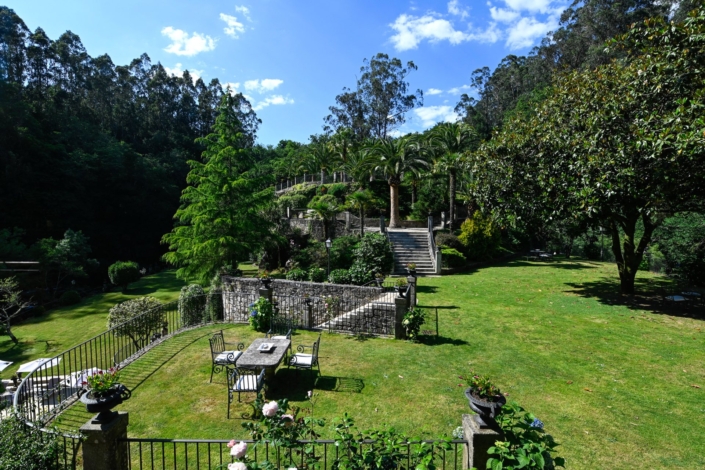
484,399
104,392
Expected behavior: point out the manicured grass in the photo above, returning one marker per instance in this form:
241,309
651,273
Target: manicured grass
613,383
64,327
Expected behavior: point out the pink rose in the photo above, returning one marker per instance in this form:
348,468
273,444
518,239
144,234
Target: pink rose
270,409
231,443
239,450
289,420
310,393
237,466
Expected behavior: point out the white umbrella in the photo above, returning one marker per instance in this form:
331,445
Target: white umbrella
41,363
4,365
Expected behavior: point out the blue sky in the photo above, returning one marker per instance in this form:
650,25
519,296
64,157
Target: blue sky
291,58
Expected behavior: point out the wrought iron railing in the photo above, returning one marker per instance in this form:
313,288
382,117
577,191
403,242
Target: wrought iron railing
169,454
337,177
432,247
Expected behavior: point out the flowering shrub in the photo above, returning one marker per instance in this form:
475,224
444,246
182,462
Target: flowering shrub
526,444
261,314
412,321
102,382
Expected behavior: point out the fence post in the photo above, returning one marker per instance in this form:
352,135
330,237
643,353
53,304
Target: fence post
382,226
266,293
101,449
479,440
412,290
309,314
400,304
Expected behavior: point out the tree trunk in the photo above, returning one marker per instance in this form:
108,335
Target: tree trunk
414,192
394,219
451,185
323,176
628,256
8,330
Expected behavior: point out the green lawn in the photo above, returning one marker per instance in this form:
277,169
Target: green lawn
614,384
64,327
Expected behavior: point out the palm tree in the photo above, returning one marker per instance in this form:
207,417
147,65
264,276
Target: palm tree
318,157
362,200
448,142
324,208
395,158
359,165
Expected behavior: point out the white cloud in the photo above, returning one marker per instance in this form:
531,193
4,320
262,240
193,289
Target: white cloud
459,89
454,8
527,30
434,91
178,71
539,6
503,15
233,27
264,85
430,115
245,12
183,44
273,100
411,30
233,87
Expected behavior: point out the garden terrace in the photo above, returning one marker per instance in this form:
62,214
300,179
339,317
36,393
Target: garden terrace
614,383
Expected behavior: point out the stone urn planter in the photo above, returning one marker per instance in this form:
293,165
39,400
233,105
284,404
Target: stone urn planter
106,402
266,282
412,272
486,410
401,290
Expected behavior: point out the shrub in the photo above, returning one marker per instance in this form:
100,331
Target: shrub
342,252
373,255
449,240
479,237
452,258
412,321
297,275
317,275
340,276
70,297
123,273
144,315
261,313
294,201
192,302
25,447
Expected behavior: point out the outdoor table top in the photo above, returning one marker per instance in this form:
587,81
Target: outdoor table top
253,358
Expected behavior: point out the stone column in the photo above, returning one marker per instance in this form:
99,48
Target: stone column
443,220
479,441
309,315
412,291
400,304
101,449
266,293
288,212
439,262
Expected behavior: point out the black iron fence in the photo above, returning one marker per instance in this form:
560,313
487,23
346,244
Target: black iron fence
168,454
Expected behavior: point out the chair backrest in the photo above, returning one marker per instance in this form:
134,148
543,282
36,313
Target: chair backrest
314,354
217,343
280,326
237,372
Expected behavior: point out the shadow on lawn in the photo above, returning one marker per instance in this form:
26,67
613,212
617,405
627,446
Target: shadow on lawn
433,340
651,296
567,264
295,384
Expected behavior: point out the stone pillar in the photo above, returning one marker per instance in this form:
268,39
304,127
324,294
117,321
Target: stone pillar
382,226
309,315
266,293
347,221
439,261
101,449
400,304
288,212
479,441
443,219
412,291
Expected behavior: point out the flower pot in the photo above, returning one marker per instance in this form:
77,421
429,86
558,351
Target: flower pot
401,290
486,410
266,283
412,272
106,402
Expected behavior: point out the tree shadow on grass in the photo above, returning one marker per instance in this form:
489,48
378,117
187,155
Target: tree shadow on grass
650,296
426,289
433,340
568,264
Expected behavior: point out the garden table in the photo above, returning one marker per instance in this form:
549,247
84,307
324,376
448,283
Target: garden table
253,358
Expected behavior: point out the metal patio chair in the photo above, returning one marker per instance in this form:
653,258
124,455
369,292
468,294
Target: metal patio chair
223,358
244,381
303,360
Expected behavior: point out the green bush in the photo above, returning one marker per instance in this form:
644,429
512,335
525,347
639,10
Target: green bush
340,276
412,322
123,273
449,240
261,313
480,237
317,275
192,303
70,297
342,252
373,255
452,258
297,275
294,201
25,447
138,319
681,241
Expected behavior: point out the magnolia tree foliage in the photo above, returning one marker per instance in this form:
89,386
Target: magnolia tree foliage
622,144
11,305
138,319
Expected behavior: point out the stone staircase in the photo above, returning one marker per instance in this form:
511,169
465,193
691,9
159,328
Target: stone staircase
411,246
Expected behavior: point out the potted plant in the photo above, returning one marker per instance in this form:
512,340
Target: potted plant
104,392
265,279
484,398
401,285
411,268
